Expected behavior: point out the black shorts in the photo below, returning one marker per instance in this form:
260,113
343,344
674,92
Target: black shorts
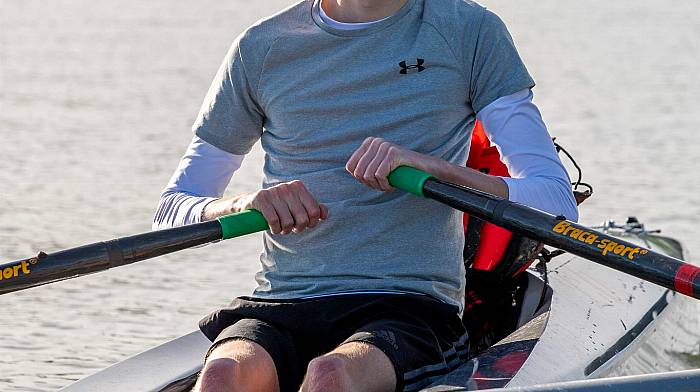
423,337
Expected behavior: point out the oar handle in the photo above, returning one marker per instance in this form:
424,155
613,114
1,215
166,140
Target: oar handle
409,179
406,178
242,223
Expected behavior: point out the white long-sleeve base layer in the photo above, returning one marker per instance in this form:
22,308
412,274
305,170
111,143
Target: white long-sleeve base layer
512,123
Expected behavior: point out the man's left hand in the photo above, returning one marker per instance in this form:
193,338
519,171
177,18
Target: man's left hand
376,158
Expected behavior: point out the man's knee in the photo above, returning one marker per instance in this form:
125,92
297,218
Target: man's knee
347,369
218,375
327,373
238,365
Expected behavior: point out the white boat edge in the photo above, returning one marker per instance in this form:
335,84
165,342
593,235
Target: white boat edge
174,360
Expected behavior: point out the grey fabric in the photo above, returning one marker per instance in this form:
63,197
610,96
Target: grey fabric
312,94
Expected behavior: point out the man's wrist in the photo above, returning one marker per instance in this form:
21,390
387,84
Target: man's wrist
216,208
203,215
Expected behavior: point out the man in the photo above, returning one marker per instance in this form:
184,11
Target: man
361,287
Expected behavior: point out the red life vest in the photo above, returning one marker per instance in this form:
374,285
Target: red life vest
493,240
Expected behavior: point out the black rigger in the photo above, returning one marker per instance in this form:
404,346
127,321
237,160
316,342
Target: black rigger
555,231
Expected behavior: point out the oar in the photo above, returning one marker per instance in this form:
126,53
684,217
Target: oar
46,268
552,230
556,231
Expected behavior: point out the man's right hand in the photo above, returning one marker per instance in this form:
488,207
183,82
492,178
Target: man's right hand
288,207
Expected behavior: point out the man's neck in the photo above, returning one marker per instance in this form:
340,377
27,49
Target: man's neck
359,11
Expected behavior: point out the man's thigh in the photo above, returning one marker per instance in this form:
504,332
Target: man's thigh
417,352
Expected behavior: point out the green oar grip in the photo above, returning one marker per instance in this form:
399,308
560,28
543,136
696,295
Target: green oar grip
409,179
251,221
242,223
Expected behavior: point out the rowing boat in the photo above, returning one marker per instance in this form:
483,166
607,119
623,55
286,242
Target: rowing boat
575,319
591,319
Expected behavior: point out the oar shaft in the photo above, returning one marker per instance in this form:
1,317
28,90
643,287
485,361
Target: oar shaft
593,245
100,256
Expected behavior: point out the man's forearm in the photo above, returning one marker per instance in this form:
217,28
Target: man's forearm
539,179
372,162
200,179
465,176
178,209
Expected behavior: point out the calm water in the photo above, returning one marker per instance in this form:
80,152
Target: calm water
97,98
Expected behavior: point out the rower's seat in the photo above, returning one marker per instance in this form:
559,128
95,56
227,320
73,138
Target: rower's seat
495,299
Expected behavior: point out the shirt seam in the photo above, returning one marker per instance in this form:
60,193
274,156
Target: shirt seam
476,47
452,51
262,69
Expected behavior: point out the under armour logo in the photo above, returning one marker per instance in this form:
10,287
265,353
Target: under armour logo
405,67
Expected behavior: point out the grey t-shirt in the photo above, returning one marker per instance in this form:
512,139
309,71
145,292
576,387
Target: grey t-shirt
312,94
